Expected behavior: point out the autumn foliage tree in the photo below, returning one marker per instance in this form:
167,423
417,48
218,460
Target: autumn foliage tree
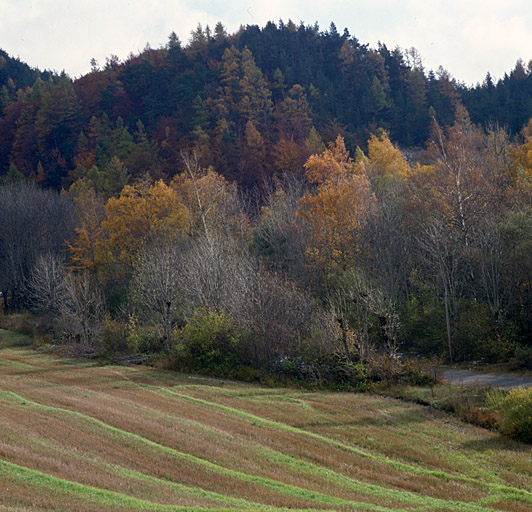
86,249
385,158
140,212
211,201
335,213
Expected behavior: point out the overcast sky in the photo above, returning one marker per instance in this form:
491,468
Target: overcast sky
467,37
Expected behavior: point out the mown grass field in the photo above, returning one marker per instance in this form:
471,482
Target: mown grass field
75,435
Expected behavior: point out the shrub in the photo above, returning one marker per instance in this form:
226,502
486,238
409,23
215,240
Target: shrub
209,341
248,374
114,337
413,372
353,375
515,414
481,417
19,323
142,339
422,325
523,357
389,371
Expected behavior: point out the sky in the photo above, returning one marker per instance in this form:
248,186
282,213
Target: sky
467,37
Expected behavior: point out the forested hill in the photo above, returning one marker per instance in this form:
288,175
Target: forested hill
15,74
251,104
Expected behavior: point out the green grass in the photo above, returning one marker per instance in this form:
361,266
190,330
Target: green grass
506,491
11,339
81,436
35,480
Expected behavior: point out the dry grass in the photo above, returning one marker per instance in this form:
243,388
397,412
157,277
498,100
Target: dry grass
79,436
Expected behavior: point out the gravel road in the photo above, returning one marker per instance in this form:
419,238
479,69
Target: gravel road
473,378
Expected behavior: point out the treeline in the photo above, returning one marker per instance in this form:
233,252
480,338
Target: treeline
329,275
237,205
250,104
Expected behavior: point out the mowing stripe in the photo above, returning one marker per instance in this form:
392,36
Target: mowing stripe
406,497
275,485
511,492
345,482
339,479
104,497
16,364
184,490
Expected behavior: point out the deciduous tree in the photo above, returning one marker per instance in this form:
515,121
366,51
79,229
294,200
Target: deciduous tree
336,212
140,212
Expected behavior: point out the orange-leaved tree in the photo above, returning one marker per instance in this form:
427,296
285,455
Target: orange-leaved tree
87,248
336,212
142,212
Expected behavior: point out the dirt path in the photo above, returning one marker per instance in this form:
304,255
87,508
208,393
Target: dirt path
494,380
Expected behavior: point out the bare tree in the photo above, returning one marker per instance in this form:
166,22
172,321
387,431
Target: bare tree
46,284
275,316
355,301
82,310
386,257
442,251
280,237
32,222
157,284
489,258
280,318
217,273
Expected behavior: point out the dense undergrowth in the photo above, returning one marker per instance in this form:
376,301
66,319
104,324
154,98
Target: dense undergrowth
209,346
507,412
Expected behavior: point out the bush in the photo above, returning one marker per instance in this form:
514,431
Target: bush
413,372
209,341
523,358
114,337
352,375
389,370
142,339
20,323
422,327
248,374
515,414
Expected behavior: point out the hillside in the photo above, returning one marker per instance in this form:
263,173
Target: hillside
82,436
253,104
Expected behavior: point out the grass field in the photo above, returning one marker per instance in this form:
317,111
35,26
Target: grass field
75,435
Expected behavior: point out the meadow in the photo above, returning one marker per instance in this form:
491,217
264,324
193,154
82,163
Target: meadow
85,436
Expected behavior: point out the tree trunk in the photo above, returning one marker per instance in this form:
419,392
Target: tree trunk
168,335
448,324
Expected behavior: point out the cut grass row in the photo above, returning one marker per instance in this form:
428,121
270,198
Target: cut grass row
522,495
276,486
300,465
15,477
255,419
204,432
156,438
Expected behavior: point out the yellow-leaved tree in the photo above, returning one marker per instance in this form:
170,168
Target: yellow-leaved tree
212,202
335,213
385,159
86,248
141,212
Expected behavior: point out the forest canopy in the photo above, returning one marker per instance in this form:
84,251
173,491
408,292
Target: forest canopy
278,91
